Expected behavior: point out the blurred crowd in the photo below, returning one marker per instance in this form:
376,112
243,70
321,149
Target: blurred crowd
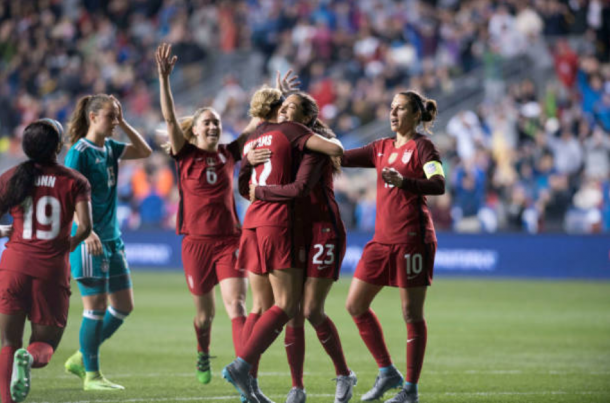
533,157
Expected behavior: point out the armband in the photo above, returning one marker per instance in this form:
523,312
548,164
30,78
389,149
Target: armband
433,168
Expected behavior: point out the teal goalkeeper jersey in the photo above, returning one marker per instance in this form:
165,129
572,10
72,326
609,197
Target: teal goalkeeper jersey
100,165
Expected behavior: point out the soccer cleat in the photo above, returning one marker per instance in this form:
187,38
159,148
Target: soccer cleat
404,397
240,379
296,395
204,370
345,387
96,381
75,365
21,380
391,379
258,392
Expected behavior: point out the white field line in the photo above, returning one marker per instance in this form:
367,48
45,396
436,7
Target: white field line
361,373
448,394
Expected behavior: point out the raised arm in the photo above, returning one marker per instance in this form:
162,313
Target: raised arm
309,173
84,220
330,147
138,148
165,65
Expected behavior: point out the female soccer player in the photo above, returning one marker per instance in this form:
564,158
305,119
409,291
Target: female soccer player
99,265
267,244
42,196
206,215
319,219
402,251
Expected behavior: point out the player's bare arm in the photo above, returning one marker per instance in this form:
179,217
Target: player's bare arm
138,148
165,66
330,147
85,224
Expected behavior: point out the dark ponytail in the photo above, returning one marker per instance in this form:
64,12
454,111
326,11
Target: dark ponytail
427,108
41,142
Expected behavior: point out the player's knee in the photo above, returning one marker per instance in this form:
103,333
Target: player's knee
204,320
354,308
314,314
236,307
412,315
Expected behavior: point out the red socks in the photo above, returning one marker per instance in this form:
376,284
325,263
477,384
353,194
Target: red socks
237,325
372,335
329,337
245,336
294,341
417,335
6,370
203,338
41,353
267,329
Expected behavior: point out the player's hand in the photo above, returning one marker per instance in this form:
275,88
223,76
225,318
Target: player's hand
252,192
120,107
392,177
6,230
289,83
93,244
258,156
165,60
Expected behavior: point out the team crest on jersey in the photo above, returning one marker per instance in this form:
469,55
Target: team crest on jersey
392,158
407,156
105,266
211,161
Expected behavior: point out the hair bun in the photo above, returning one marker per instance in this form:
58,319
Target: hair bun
429,112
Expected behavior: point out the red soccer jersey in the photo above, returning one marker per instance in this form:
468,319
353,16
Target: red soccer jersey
207,205
287,142
40,243
402,216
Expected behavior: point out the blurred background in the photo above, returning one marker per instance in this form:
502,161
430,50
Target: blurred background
523,89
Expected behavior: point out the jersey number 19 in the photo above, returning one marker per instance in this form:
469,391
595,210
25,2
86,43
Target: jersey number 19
53,218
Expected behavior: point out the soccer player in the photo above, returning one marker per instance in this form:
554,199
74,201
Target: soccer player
266,245
42,196
402,251
318,217
206,215
99,265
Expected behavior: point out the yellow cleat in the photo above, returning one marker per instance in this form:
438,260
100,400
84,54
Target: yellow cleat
75,365
97,381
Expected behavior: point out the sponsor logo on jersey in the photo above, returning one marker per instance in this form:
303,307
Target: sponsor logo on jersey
392,158
407,156
105,266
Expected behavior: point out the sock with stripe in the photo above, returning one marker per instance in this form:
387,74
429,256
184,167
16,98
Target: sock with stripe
112,321
266,330
203,338
237,326
329,338
6,371
294,342
372,335
417,336
90,337
41,353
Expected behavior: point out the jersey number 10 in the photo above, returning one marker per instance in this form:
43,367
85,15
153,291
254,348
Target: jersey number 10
40,212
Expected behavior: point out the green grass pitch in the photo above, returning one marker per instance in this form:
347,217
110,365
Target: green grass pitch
489,341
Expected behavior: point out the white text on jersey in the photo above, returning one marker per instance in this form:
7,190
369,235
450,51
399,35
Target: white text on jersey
46,180
262,141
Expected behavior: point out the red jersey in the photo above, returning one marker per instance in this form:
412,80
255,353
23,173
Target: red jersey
207,205
402,216
40,243
287,142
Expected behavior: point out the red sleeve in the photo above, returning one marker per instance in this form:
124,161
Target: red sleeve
82,188
296,133
243,180
234,149
309,174
427,151
186,149
363,157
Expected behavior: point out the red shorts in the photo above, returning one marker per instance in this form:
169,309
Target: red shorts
264,249
326,252
208,261
397,265
46,303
